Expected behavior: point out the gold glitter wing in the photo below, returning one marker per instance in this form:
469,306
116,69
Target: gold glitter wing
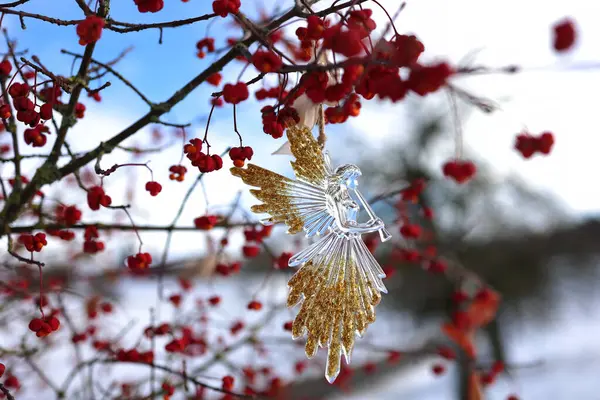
310,164
300,203
338,289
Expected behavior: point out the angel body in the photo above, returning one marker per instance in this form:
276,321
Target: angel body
339,281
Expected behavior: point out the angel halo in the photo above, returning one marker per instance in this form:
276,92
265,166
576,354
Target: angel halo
339,282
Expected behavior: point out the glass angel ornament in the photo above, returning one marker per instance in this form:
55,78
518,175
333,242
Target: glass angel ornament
339,282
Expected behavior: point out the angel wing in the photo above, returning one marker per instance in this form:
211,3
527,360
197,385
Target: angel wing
338,289
299,203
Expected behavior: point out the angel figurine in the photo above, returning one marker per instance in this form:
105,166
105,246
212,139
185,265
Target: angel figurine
339,281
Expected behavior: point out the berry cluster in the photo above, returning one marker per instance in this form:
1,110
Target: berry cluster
153,187
239,155
207,44
187,343
235,93
227,270
96,197
204,162
94,305
226,7
62,234
276,92
91,245
151,6
460,171
90,29
139,261
253,238
44,327
177,173
206,222
162,329
33,242
266,61
133,355
274,122
67,215
23,105
528,145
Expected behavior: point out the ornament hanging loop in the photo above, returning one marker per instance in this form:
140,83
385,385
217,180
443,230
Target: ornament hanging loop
322,138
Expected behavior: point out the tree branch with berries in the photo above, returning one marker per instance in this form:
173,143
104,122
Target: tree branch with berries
315,64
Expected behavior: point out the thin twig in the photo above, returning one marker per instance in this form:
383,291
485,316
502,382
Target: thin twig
115,73
130,27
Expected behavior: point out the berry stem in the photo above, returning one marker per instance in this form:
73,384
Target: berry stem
235,125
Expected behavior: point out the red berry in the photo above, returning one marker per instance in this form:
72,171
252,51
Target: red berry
206,43
35,324
79,110
152,6
90,29
438,369
437,266
18,90
460,171
11,381
251,251
177,173
410,231
214,79
428,79
54,323
5,68
283,260
228,382
565,35
526,145
254,305
46,111
96,198
175,299
153,187
206,222
407,50
225,7
5,112
139,261
545,142
266,61
235,93
106,307
343,41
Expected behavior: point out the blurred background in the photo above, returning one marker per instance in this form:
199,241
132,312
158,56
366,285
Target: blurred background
529,228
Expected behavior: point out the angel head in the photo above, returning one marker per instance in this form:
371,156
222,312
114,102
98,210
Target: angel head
347,175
